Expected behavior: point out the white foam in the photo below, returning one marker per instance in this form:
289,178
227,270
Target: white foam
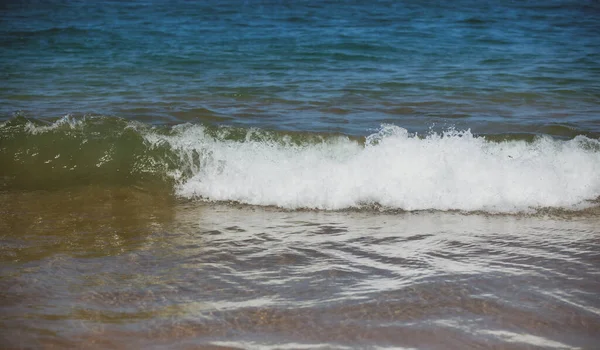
66,120
394,169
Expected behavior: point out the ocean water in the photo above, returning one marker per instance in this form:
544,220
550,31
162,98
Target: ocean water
312,174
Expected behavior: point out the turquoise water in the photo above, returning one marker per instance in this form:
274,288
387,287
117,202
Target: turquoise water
347,66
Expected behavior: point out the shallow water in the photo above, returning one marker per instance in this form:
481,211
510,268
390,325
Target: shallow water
119,268
267,174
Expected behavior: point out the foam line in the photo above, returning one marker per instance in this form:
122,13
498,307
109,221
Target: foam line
454,170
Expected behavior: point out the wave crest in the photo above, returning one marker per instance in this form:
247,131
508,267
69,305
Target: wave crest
453,170
389,169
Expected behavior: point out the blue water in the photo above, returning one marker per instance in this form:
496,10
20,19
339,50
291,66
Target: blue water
324,66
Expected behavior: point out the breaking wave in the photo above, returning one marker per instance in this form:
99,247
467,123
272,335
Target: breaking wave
390,168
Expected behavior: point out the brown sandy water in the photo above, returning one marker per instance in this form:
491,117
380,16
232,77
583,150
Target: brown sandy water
121,268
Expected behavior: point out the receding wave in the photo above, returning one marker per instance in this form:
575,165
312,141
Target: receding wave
390,169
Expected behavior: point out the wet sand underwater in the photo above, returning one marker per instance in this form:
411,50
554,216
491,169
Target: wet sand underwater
119,267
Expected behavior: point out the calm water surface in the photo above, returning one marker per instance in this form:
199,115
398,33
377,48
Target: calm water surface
319,66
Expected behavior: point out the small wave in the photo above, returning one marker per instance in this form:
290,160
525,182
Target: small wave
475,21
394,169
55,31
390,169
72,152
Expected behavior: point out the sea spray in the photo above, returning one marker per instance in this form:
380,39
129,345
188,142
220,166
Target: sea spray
394,169
390,168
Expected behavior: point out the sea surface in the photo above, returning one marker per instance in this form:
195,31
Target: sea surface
300,175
